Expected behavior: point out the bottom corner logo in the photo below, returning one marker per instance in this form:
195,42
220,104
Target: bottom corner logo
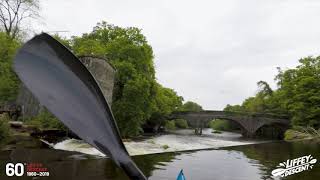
293,166
31,169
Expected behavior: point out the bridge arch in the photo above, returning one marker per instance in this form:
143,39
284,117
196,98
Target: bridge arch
273,130
249,122
241,126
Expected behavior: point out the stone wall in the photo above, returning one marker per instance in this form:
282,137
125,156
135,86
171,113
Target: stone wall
104,74
29,104
101,70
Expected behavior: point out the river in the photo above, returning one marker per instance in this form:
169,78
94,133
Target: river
243,159
178,140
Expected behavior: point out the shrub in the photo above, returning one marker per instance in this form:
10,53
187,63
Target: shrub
47,121
4,128
221,125
181,123
298,132
170,125
291,134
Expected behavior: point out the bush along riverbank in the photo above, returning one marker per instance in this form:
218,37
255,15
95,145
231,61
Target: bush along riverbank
302,133
38,131
16,134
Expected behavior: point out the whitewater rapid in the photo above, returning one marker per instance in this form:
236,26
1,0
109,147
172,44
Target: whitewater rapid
179,140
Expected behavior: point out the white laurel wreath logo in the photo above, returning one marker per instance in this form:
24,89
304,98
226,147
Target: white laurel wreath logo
281,168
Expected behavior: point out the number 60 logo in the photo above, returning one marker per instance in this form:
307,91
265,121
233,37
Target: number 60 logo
14,169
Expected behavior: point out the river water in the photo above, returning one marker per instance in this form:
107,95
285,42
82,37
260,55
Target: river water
178,140
245,162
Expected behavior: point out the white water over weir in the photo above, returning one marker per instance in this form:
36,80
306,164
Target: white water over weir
179,140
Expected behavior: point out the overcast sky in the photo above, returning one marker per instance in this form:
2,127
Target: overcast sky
210,52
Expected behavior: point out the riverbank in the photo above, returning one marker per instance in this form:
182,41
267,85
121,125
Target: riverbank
26,136
302,133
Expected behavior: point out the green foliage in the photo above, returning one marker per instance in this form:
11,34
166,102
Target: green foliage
260,101
181,123
233,108
133,108
291,134
129,52
300,132
63,40
137,98
300,87
166,101
191,106
298,95
170,125
9,82
46,120
4,129
222,125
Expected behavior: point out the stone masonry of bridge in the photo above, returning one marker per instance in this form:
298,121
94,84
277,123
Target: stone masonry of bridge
249,122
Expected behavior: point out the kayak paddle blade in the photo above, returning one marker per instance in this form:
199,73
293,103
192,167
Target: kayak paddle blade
61,83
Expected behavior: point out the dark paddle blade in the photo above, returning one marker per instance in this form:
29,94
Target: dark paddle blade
66,88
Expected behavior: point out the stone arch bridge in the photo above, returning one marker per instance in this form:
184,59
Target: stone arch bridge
249,122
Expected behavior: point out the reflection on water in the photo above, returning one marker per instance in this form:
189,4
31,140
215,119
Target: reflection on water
268,156
242,162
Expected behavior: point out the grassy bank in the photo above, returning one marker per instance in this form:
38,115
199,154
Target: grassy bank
300,133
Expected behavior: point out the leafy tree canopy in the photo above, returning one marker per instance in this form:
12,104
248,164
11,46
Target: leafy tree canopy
191,106
298,94
137,98
9,82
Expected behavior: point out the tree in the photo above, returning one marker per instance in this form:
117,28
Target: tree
191,106
166,101
63,40
298,94
300,89
9,82
136,90
137,97
14,12
265,89
233,108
